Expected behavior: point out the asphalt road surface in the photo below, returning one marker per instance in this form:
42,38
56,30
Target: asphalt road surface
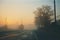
25,35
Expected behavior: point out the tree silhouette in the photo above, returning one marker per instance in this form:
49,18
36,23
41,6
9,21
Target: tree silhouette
43,16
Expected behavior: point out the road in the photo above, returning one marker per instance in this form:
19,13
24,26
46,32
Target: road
25,35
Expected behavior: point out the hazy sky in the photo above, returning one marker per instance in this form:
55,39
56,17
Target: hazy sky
17,10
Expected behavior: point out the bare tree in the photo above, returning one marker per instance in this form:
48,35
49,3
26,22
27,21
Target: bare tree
43,16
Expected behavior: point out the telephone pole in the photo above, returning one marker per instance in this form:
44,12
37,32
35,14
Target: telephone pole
55,10
5,23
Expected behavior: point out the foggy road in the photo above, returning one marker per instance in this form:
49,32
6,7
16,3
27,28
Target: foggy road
26,35
11,35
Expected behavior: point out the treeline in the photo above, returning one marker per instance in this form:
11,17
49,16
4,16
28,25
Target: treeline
47,29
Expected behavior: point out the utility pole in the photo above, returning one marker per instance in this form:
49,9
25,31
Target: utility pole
55,10
5,23
21,21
